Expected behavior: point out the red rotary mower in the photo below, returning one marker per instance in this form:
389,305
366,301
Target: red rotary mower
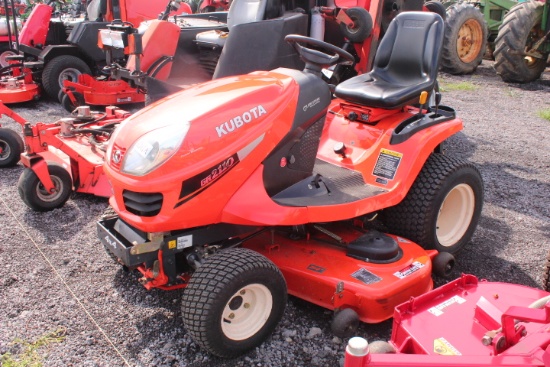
464,323
245,188
60,155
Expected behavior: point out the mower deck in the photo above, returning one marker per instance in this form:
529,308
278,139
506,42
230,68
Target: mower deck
21,92
318,270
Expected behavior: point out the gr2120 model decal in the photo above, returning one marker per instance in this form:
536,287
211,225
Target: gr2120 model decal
196,184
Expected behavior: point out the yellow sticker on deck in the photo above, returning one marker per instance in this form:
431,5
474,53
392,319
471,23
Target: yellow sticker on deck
444,348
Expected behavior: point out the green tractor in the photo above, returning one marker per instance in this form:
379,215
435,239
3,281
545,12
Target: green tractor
514,33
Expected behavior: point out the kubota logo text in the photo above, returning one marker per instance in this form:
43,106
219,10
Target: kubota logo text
239,121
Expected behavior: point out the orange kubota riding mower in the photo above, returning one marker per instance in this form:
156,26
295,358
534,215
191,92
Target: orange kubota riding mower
243,189
52,50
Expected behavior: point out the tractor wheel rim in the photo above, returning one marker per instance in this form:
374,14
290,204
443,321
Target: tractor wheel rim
455,215
5,150
534,34
246,312
46,196
70,74
468,44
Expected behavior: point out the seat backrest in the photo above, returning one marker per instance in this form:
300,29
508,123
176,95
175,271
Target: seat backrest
159,40
245,11
411,48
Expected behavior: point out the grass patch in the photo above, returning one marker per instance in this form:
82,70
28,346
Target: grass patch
28,355
545,114
465,86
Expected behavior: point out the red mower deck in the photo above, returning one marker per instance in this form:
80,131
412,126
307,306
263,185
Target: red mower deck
467,323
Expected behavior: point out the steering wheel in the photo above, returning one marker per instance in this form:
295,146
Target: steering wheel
321,59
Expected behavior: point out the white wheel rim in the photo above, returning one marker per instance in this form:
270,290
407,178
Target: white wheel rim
3,55
455,215
46,196
246,312
70,74
5,150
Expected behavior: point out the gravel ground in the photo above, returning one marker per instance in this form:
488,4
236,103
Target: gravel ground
56,276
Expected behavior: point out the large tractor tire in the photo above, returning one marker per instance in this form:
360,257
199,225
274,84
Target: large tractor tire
233,302
465,39
11,147
443,206
60,68
519,32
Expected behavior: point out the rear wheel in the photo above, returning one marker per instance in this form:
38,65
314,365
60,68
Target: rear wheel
443,206
11,147
233,302
465,39
34,194
520,30
65,67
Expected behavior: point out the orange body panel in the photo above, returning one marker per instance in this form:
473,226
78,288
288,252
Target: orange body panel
206,107
237,195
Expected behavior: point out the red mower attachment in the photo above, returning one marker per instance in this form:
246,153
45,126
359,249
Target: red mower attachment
464,323
62,156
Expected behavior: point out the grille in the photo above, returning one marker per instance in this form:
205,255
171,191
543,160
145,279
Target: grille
142,204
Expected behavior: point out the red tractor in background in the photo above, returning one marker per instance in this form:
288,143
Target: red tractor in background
200,58
54,50
10,23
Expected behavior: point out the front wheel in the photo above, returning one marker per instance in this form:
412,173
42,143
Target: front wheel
59,69
33,193
5,51
443,206
233,302
11,147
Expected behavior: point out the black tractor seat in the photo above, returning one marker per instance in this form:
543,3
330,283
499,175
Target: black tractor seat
405,64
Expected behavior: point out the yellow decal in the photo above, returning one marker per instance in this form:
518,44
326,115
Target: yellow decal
391,152
444,348
172,244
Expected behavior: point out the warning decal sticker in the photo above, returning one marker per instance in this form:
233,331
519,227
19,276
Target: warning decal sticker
403,273
387,164
444,348
438,310
366,276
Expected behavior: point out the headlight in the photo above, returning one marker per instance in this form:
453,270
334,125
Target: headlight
115,39
153,149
